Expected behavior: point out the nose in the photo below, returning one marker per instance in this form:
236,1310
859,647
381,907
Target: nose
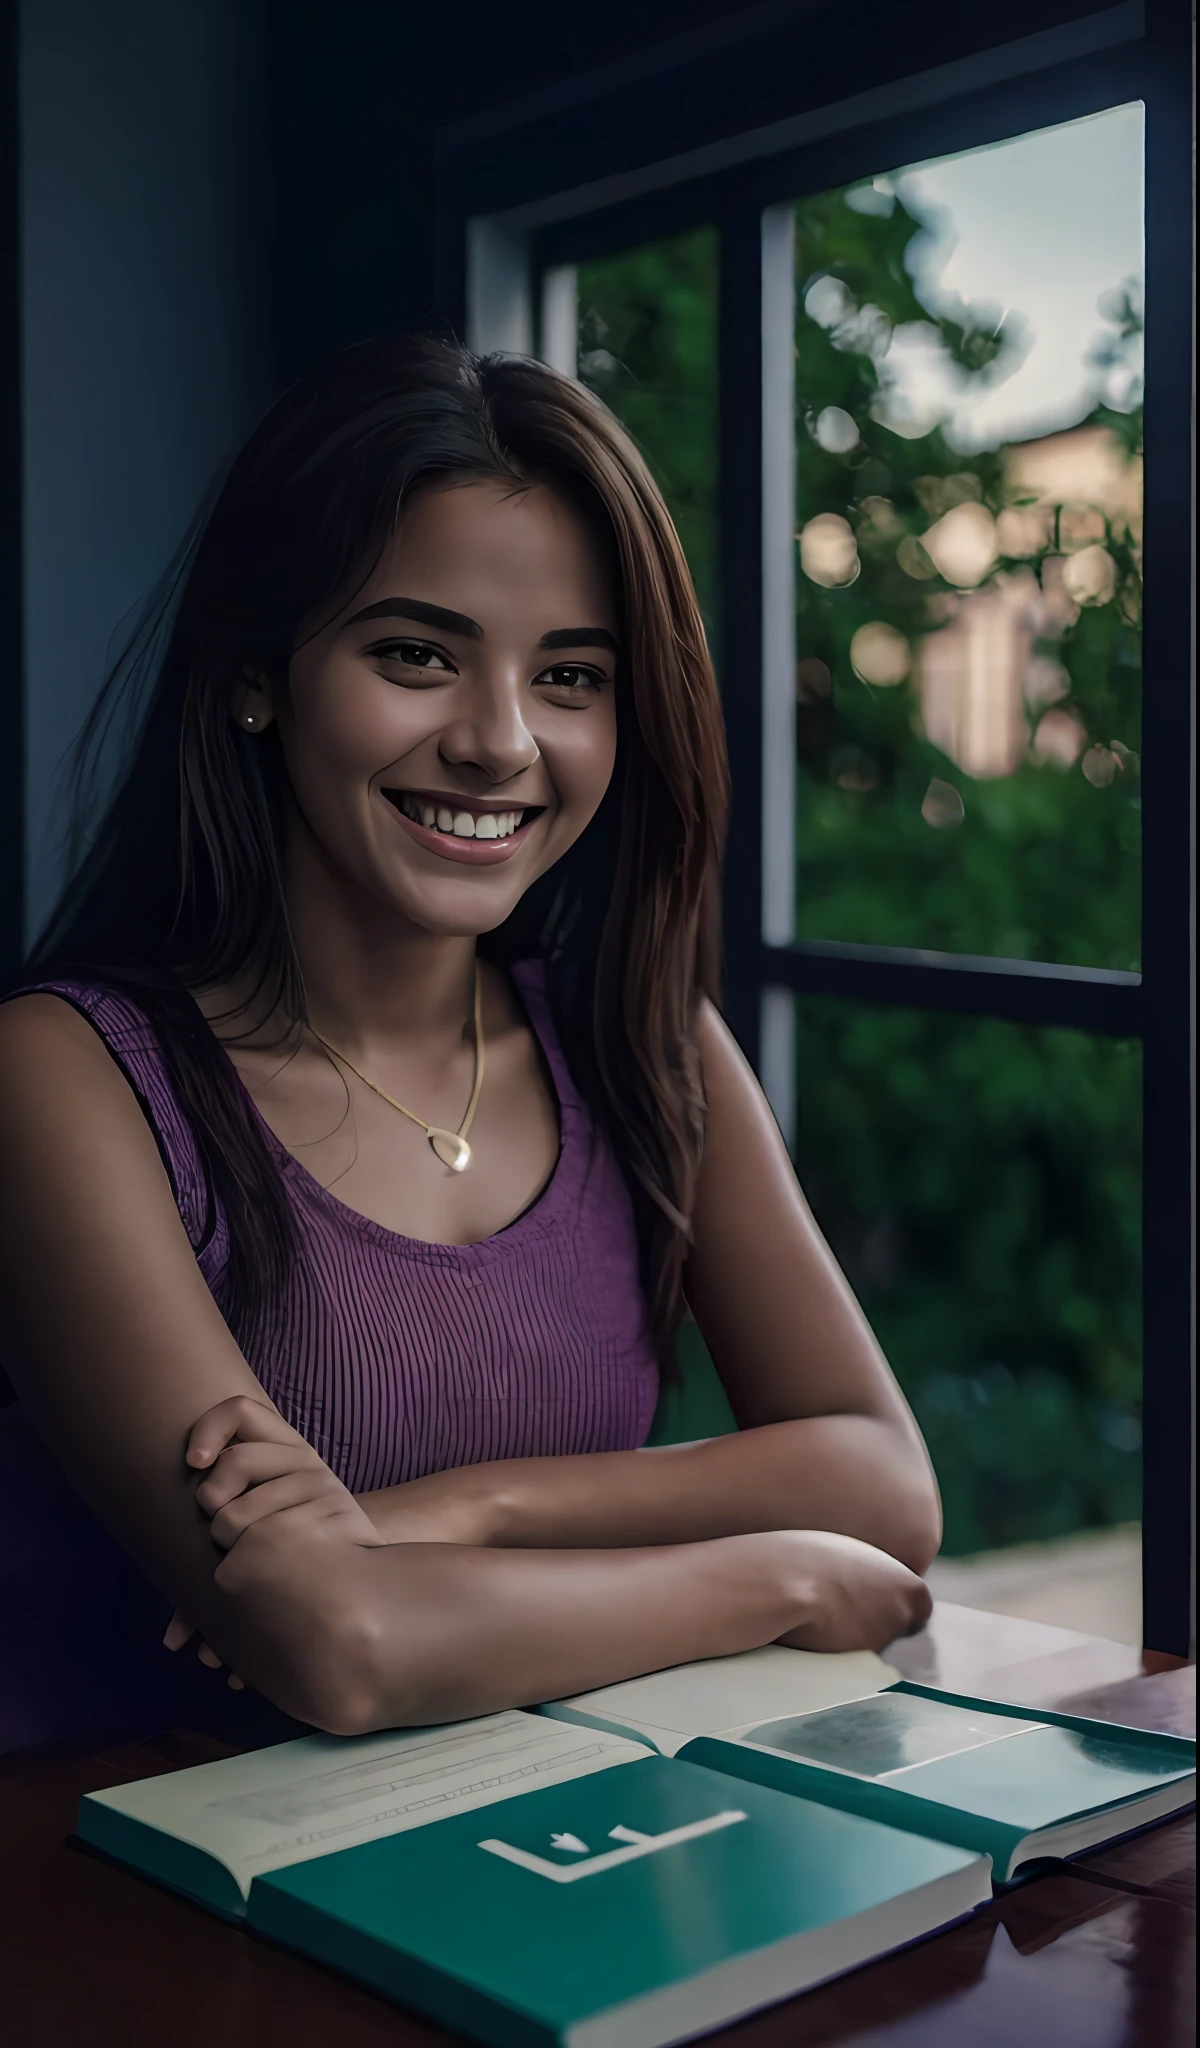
488,729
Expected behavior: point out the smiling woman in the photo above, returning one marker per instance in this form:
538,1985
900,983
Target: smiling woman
418,836
499,750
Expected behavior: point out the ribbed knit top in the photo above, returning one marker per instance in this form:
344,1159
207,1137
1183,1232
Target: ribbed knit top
394,1357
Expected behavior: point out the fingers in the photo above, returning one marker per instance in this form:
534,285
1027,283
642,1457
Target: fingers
245,1465
179,1631
921,1609
243,1416
291,1490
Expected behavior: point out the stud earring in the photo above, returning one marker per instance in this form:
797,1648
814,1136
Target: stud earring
249,718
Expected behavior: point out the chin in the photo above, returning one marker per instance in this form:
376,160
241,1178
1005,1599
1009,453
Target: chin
456,913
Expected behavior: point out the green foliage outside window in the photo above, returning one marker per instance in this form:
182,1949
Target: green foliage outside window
979,1181
648,348
1044,863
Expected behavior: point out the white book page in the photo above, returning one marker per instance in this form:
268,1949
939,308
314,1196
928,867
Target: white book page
274,1807
724,1695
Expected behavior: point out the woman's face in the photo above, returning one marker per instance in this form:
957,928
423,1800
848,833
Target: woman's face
451,733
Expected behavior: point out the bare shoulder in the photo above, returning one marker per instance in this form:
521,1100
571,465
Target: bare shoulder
745,1159
60,1087
716,1041
41,1035
727,1072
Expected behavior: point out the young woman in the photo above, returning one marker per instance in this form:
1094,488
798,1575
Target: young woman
367,1121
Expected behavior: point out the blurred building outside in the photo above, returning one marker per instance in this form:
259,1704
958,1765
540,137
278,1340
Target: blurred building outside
981,682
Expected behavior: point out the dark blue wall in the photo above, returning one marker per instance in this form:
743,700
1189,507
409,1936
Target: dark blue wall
144,336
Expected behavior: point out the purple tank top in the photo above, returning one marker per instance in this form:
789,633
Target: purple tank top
394,1357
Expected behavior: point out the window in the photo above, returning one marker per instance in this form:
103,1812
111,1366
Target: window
647,345
885,360
969,512
968,433
980,1182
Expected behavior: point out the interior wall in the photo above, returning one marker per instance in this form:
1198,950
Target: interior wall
145,345
358,93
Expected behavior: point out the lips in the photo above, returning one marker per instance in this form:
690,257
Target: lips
489,850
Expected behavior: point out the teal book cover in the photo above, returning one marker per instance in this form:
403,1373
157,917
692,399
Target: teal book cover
637,1906
1015,1785
1019,1788
524,1879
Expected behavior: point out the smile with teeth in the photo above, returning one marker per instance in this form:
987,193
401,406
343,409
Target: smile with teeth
460,824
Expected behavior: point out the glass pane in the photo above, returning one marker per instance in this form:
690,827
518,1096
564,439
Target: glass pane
980,1183
648,348
969,407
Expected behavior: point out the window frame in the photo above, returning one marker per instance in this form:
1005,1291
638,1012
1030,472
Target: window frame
489,267
12,673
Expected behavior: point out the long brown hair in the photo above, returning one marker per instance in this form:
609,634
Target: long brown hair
177,883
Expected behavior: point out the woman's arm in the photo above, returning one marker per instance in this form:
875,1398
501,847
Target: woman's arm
121,1347
433,1632
116,1340
793,1348
440,1631
826,1439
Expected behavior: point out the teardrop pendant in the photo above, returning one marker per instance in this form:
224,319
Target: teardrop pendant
452,1150
450,1147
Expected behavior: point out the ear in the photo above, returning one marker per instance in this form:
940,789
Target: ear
252,706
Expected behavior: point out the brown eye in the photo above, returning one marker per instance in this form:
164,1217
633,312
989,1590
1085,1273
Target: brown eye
413,654
572,682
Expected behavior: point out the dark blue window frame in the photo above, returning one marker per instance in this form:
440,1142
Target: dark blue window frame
769,80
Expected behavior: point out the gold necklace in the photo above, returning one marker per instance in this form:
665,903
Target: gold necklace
451,1147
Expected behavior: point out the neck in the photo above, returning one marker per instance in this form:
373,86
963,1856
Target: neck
371,977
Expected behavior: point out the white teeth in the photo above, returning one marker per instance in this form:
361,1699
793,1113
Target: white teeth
460,824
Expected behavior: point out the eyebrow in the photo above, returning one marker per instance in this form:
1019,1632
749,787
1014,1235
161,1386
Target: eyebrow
424,614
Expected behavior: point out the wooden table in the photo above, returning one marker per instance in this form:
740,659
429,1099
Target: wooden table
1097,1956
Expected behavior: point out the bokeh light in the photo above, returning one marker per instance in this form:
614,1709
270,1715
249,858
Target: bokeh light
913,559
829,552
835,430
1090,577
962,545
943,805
813,680
880,654
1059,740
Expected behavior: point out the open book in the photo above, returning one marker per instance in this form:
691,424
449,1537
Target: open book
521,1879
1015,1786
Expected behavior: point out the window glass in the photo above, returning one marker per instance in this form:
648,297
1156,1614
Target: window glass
979,1182
969,405
648,347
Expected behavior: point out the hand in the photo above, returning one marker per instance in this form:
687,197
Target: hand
180,1630
257,1465
858,1597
